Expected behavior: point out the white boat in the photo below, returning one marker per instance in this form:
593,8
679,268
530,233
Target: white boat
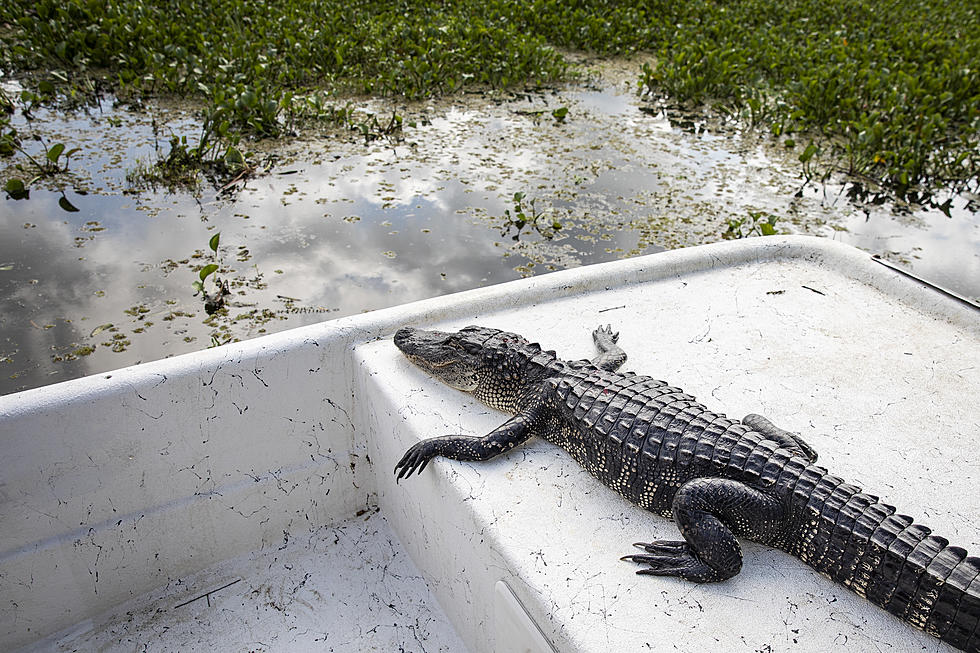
242,497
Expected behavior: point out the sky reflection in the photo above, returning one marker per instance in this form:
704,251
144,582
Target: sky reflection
337,227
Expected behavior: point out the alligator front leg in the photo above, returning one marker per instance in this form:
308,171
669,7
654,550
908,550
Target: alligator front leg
710,512
464,447
611,356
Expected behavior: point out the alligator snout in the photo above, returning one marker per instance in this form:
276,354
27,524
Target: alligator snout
403,336
415,341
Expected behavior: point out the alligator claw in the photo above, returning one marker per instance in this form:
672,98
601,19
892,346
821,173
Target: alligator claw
664,558
663,564
611,356
605,331
415,459
662,547
661,551
671,558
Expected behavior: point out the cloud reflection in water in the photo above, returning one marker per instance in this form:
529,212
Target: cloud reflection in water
357,228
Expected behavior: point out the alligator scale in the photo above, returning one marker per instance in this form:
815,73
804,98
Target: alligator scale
717,477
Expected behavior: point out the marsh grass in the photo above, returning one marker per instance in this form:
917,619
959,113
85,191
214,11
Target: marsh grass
890,90
886,91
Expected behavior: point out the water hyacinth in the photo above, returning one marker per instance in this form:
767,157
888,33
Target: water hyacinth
889,91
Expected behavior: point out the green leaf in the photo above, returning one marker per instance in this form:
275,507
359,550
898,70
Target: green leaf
66,205
213,243
808,153
14,186
207,270
767,229
55,152
234,159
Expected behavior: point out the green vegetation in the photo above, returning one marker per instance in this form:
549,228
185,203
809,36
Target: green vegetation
49,161
890,90
886,91
756,223
529,215
212,302
250,61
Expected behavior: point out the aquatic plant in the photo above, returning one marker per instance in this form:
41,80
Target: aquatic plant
209,269
248,58
756,223
888,92
528,216
52,160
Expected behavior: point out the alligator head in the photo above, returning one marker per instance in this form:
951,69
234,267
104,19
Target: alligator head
488,363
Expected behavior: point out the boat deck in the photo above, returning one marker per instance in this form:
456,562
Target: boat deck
345,587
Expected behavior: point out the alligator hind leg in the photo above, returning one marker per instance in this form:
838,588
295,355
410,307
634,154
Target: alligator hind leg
710,513
611,356
786,439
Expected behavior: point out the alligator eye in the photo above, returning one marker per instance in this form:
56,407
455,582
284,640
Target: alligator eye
452,342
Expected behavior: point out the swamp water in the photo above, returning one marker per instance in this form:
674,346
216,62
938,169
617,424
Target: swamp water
335,226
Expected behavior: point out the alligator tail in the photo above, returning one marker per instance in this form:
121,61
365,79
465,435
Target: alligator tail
899,565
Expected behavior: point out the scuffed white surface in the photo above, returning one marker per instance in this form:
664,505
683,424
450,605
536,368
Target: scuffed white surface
515,630
343,588
117,485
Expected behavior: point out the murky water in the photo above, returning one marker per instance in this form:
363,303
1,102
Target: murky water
336,227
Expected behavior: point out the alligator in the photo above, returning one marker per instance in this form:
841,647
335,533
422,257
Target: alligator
719,478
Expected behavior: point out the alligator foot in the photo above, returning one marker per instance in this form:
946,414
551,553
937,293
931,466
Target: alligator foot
786,439
416,458
667,558
611,356
710,513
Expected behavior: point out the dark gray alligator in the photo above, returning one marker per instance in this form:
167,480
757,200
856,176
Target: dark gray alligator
717,477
